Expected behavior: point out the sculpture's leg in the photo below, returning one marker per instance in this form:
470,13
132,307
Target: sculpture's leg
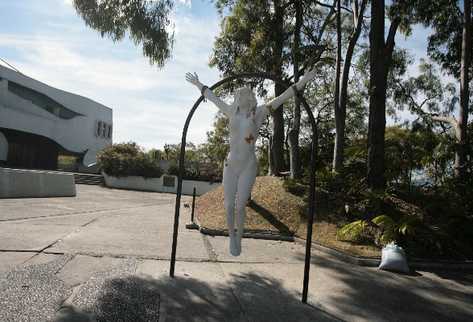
245,184
230,183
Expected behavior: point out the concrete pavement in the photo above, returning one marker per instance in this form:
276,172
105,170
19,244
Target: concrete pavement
104,256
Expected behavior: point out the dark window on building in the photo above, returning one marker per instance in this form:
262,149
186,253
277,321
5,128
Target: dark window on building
109,134
98,130
104,129
42,101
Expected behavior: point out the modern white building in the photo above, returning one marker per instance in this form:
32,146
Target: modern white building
38,123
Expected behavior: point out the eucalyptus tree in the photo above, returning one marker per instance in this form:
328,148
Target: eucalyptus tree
294,131
433,101
257,36
450,45
402,14
147,22
341,88
253,38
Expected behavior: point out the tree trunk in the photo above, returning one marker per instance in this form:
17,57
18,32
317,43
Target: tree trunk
293,135
380,60
462,144
377,102
339,117
277,146
270,139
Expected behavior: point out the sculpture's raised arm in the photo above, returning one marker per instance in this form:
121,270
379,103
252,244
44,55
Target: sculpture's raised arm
289,93
207,93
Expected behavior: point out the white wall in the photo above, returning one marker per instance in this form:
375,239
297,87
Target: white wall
15,183
156,184
77,134
201,187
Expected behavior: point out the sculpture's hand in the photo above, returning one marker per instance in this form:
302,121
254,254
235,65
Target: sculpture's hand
307,77
193,79
310,74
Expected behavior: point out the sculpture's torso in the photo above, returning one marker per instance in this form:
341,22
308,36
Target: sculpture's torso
243,134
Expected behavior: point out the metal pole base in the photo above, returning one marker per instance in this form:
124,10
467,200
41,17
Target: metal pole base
192,225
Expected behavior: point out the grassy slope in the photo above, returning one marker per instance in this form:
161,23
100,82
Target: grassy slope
276,210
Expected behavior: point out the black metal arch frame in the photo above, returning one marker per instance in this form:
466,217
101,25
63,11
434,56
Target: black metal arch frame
310,218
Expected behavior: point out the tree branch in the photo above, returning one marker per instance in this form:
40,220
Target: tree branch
332,6
391,36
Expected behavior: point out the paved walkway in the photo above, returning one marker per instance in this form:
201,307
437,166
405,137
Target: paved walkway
104,256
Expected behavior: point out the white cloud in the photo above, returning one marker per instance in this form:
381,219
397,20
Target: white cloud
149,104
187,3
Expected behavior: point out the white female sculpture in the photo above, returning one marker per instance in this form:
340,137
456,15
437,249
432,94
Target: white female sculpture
240,169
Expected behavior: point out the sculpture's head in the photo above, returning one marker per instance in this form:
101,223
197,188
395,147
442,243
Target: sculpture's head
245,99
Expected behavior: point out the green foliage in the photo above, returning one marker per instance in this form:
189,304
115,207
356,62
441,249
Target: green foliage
173,169
388,230
199,163
146,22
446,20
127,159
67,162
353,231
217,146
190,173
392,230
156,154
247,38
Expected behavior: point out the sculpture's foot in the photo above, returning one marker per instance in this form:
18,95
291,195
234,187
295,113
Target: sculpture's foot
235,246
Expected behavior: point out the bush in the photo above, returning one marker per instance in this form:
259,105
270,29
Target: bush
128,159
192,172
381,230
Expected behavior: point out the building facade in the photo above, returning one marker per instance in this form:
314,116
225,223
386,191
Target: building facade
39,123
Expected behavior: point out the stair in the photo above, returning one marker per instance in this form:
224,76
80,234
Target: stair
91,179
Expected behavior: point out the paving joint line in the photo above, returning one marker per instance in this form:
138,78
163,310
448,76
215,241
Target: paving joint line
78,213
213,257
43,250
240,305
146,257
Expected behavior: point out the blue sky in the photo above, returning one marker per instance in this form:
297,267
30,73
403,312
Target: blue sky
46,40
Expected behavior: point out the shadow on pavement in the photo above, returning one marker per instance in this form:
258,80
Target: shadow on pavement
464,277
356,292
136,298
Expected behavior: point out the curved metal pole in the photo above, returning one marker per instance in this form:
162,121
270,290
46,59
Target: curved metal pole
310,219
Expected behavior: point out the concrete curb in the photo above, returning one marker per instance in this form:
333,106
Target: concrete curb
356,260
414,263
442,265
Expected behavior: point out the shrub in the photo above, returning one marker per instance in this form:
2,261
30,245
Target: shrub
353,231
173,170
128,159
192,172
383,229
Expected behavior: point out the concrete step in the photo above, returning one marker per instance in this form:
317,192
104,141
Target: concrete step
91,179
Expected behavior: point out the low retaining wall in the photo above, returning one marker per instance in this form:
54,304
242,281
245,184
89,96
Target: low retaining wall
165,183
17,183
